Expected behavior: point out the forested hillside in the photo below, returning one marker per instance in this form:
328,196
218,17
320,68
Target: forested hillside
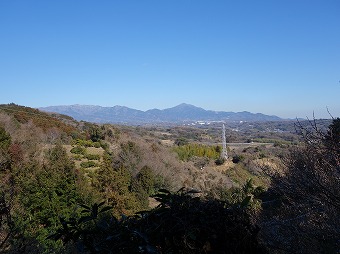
77,187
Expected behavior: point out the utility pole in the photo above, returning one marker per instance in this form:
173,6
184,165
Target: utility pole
224,154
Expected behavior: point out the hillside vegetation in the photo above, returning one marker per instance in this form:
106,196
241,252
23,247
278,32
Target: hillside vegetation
69,186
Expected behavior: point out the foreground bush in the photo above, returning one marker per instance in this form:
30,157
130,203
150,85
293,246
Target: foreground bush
302,207
180,224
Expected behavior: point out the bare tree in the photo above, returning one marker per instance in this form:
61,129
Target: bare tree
301,211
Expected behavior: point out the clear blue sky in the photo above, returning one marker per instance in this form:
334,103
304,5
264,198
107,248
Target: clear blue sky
268,56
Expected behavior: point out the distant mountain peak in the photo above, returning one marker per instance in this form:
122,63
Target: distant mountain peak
186,105
178,114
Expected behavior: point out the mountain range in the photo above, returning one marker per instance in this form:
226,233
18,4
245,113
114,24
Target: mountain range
179,114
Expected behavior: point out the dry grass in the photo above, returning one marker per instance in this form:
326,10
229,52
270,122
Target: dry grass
93,150
167,142
226,166
153,203
239,174
266,163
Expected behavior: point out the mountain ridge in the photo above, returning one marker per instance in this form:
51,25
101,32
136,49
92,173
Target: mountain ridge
178,114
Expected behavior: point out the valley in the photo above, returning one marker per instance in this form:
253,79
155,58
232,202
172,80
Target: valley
53,165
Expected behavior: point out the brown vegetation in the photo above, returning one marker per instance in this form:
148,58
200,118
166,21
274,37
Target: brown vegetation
47,169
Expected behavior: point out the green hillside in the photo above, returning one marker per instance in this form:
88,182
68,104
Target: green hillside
79,187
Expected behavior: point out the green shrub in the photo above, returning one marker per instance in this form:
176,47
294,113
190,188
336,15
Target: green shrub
238,158
140,193
87,143
78,150
96,144
96,133
219,161
146,178
92,156
5,139
185,152
88,164
161,183
104,145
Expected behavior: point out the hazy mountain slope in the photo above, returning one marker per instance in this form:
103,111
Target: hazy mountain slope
180,113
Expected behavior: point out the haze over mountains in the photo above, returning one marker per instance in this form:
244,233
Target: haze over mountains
178,114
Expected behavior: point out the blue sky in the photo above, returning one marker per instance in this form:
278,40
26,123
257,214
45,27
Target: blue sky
274,57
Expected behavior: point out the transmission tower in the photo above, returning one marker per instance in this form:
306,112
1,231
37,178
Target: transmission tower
224,153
